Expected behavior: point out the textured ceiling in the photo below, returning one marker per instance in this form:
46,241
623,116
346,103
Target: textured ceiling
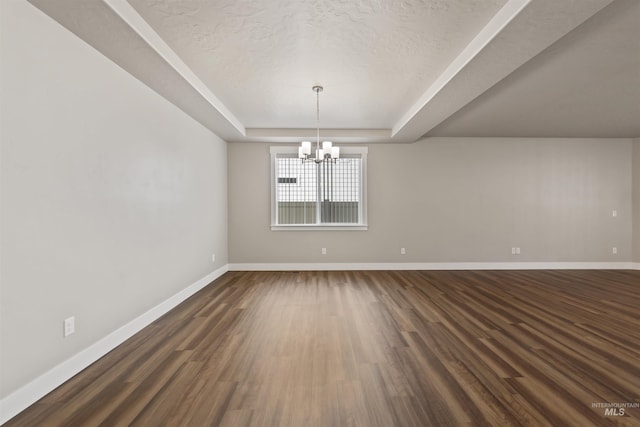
261,57
393,70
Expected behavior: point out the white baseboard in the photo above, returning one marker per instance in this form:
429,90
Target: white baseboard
28,394
635,266
433,266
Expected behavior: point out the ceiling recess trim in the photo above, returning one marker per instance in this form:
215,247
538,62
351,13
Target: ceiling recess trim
131,17
501,19
336,135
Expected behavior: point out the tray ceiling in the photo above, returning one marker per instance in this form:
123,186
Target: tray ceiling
393,71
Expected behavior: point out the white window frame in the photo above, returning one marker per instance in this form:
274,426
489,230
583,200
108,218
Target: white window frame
362,226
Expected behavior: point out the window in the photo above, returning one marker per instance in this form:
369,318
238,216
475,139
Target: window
318,196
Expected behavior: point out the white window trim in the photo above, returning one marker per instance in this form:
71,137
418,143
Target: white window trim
362,151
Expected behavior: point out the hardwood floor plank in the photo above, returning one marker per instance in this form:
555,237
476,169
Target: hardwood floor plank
373,348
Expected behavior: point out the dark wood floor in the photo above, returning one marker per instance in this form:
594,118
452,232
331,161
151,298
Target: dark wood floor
437,348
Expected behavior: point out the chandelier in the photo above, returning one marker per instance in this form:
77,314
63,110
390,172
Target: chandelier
328,153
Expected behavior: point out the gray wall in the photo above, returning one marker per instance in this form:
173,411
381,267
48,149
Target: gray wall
636,200
113,199
455,200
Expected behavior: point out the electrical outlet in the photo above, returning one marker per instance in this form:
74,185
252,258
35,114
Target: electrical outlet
324,251
69,326
615,251
614,213
213,257
403,251
517,251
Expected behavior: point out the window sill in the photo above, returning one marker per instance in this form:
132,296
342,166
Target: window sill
313,227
